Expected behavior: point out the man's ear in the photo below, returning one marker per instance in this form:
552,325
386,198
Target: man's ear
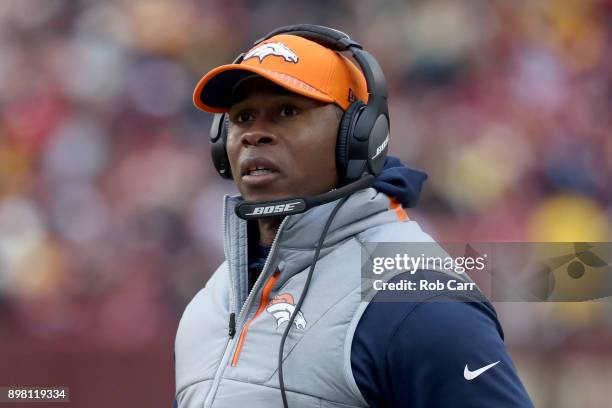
339,112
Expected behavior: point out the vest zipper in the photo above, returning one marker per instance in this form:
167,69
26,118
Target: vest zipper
232,325
263,302
230,340
264,272
213,388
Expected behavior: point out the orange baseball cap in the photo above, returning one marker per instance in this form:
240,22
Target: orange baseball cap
296,64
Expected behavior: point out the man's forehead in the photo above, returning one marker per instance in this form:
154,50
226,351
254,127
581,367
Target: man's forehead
256,84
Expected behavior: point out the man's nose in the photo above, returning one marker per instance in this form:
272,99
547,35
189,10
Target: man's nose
258,134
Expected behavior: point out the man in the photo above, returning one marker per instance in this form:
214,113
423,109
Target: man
285,102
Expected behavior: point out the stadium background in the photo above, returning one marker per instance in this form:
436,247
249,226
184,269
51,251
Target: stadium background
110,208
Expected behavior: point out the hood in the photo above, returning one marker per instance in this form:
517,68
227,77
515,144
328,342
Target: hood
400,182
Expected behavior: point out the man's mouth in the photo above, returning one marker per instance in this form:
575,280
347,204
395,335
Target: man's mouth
254,166
258,171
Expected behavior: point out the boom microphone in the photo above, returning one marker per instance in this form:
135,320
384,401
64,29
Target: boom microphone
249,210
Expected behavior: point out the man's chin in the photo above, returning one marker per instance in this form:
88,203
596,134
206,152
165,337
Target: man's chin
265,196
253,195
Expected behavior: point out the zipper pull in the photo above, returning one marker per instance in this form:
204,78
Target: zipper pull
232,325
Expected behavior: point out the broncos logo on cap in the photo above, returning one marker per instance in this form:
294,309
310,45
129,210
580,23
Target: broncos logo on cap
282,307
276,48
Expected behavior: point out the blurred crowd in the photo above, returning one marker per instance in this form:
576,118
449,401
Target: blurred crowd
110,210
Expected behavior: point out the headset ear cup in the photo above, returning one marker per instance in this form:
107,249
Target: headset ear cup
218,148
345,131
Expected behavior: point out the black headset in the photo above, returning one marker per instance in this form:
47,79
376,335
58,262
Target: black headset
363,134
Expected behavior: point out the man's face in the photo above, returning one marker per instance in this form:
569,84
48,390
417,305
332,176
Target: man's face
281,144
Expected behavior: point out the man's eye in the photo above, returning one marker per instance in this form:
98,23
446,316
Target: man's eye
288,111
243,117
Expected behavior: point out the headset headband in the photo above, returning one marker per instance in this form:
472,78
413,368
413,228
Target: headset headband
338,41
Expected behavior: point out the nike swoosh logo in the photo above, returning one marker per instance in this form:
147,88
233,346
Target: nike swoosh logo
470,375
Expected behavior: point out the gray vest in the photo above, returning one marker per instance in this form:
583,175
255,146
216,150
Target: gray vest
214,370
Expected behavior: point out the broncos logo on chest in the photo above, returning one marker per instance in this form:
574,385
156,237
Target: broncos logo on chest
282,307
277,48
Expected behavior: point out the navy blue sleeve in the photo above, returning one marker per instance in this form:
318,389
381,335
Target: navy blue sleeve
434,354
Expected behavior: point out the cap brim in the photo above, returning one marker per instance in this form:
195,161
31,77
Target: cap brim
214,91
